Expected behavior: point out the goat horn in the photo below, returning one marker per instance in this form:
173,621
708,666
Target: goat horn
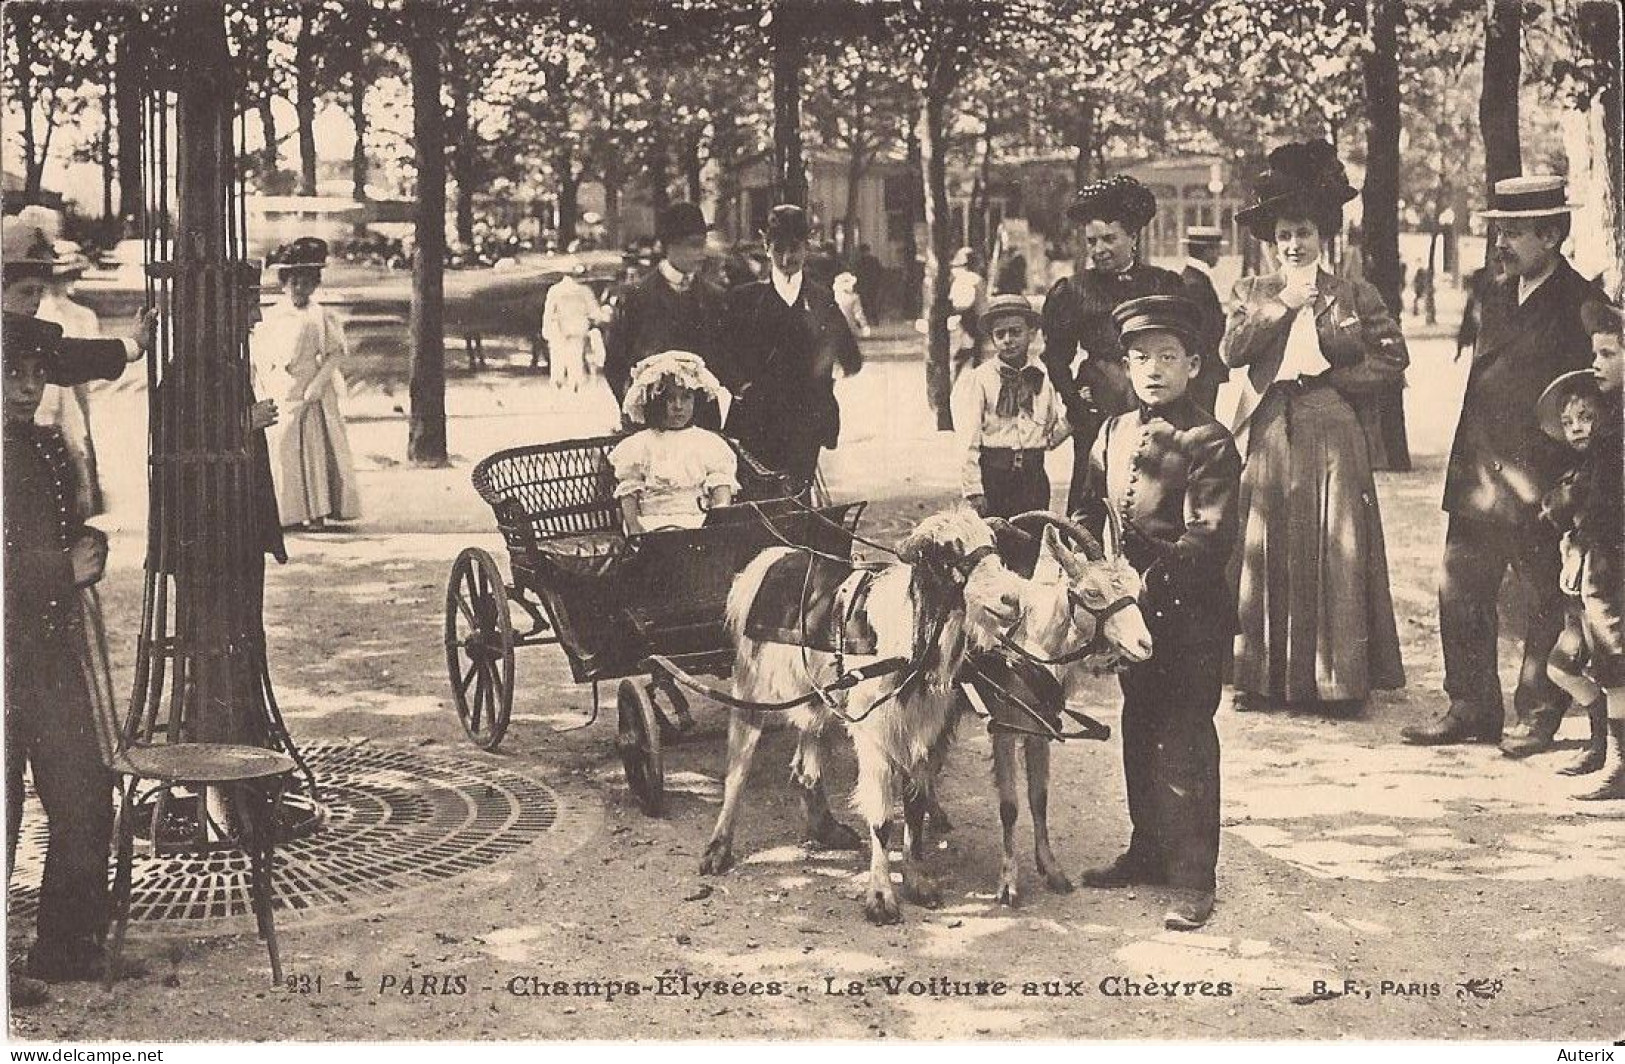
1000,527
1033,521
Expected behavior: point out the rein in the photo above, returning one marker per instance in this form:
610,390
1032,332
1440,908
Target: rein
1089,727
1097,644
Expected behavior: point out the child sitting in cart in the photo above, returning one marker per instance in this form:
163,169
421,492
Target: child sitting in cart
671,472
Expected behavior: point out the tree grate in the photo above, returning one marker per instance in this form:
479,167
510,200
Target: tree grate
397,820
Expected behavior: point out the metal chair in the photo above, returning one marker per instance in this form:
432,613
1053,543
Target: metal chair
254,777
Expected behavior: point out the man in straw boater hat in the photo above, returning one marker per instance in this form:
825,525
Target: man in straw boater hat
1501,464
1202,244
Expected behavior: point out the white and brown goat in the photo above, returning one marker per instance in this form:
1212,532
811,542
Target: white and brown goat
1075,600
952,594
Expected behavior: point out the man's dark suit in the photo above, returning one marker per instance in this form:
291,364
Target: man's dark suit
1199,290
652,317
1500,466
781,371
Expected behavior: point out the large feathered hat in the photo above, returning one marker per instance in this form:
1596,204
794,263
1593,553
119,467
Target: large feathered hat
650,376
305,253
1299,179
1114,199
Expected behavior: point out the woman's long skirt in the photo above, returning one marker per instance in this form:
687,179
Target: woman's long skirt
314,473
1316,619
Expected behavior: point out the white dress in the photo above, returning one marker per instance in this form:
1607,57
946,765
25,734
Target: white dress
68,408
568,316
296,356
672,472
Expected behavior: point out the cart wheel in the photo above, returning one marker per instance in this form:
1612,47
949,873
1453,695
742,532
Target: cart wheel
639,744
479,647
679,722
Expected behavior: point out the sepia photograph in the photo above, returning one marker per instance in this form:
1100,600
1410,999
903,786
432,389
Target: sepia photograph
813,521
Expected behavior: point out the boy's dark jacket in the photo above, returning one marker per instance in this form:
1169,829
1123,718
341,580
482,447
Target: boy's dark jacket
1179,518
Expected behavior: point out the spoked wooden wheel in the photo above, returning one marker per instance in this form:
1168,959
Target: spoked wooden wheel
479,647
639,744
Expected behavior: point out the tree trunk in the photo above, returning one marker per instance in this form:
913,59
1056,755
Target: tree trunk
569,194
1599,27
426,440
612,210
657,171
693,168
789,50
913,297
1380,203
981,233
104,146
359,170
127,79
1498,98
1083,139
462,163
857,161
855,167
934,163
304,103
269,161
22,30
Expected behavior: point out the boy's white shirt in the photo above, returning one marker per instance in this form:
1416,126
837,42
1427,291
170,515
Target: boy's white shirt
976,425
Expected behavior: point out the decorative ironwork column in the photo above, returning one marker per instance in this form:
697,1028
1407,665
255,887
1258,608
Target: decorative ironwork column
201,669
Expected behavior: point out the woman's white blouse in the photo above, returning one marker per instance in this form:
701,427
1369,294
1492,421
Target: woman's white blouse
672,473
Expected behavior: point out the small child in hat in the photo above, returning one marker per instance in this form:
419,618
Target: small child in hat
1008,414
672,471
1162,487
1582,409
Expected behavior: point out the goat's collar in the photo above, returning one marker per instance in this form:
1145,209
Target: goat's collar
1100,615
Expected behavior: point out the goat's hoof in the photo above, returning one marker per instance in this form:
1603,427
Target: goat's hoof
831,834
923,892
1009,896
881,908
1057,883
719,857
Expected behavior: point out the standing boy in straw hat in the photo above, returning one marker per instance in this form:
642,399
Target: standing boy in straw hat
1007,415
1501,464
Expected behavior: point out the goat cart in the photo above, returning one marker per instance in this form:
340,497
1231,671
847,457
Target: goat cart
609,600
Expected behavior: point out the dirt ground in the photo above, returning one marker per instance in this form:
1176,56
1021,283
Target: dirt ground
1430,894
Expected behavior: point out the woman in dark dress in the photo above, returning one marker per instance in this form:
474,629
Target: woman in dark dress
1107,217
1315,616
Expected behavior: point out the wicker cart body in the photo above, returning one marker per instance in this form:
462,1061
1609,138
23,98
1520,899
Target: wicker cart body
609,600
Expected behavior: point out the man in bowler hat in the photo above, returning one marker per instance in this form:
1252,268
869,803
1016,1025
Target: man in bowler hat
1202,244
672,307
788,335
1501,464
